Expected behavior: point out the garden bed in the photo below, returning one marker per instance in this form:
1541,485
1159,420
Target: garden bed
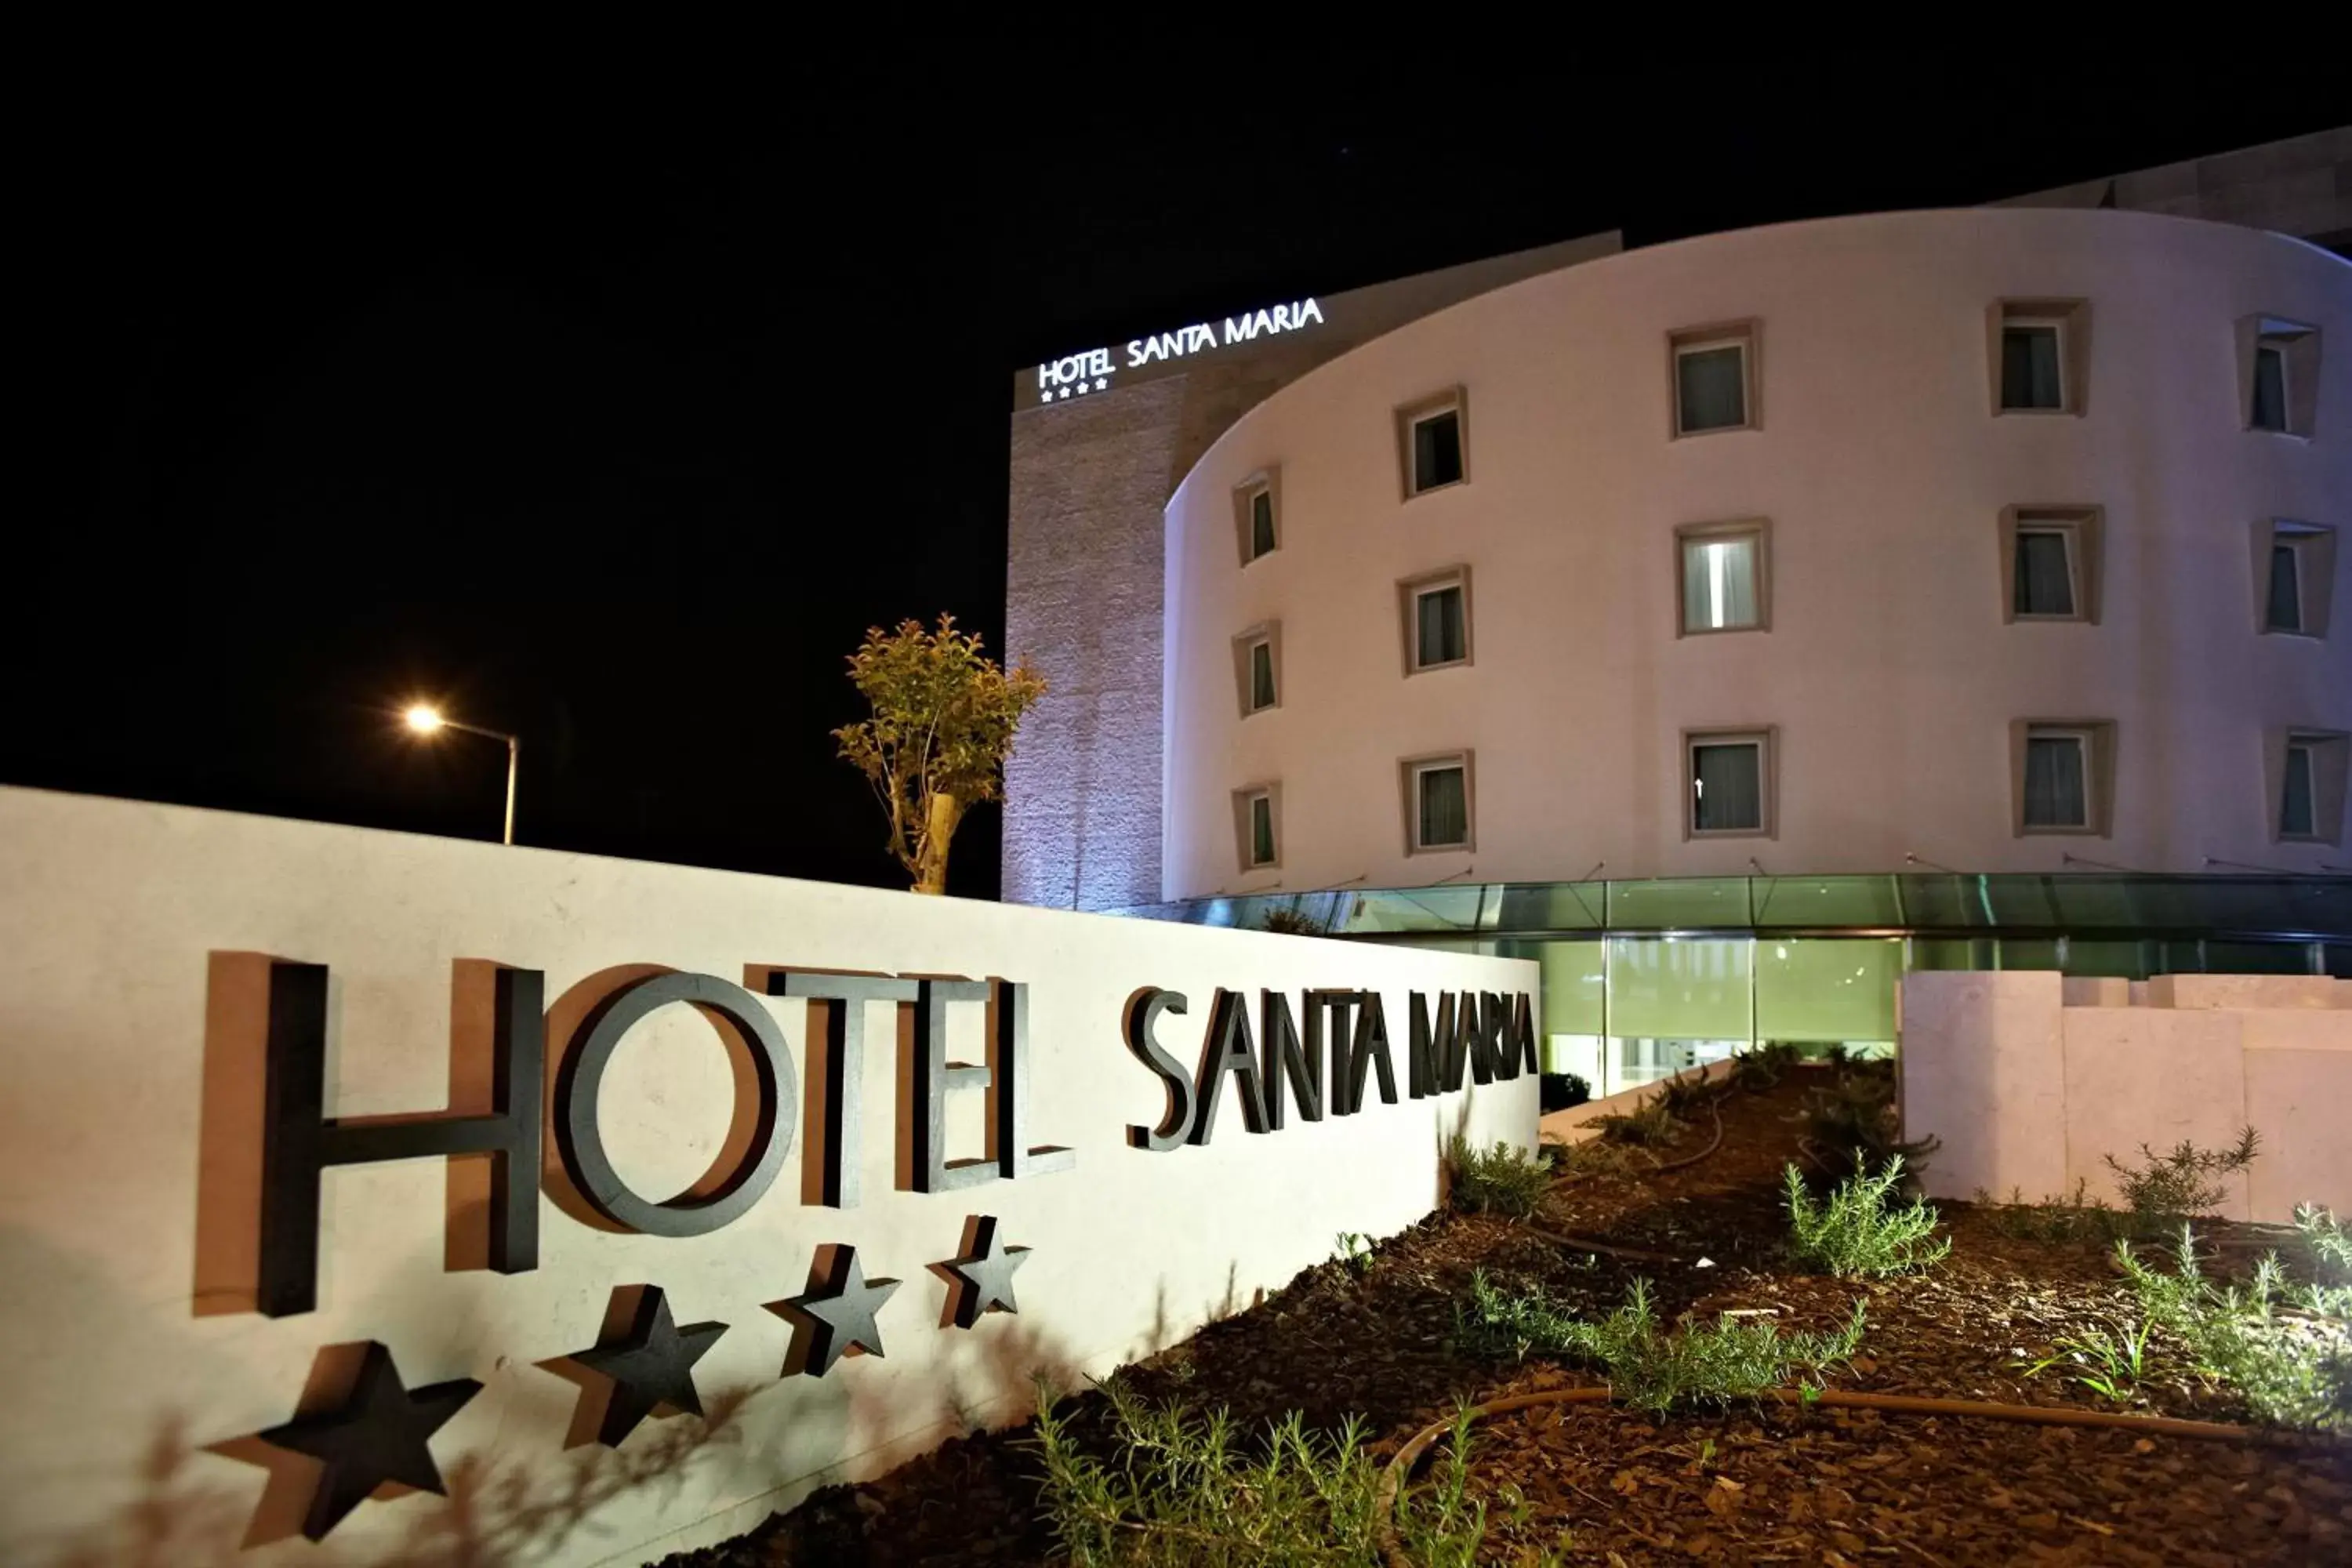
1756,1483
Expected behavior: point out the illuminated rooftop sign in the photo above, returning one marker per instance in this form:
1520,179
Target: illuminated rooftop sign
1079,374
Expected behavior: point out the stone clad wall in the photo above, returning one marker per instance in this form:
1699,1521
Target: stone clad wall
2029,1080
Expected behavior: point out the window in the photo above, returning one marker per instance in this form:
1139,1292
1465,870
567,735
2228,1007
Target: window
2041,355
1715,378
1433,443
2063,774
1258,668
1437,803
1257,826
2310,798
1257,514
1436,618
2294,577
1728,781
2050,562
2279,375
1721,576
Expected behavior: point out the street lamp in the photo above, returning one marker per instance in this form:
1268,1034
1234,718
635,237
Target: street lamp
426,718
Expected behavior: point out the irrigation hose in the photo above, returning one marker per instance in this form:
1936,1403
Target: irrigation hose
1398,1468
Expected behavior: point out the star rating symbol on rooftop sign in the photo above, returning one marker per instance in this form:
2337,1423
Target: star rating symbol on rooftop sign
1101,384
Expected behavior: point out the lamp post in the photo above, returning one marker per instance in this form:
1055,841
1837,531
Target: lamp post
424,720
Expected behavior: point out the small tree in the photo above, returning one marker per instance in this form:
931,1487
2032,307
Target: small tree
944,715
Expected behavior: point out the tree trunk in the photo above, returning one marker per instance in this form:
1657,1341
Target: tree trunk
931,860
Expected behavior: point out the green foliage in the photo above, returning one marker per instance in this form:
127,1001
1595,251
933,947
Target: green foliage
1354,1252
1686,1094
1648,1124
2077,1217
1764,1067
1854,1123
2327,1254
1184,1491
1859,1231
1649,1369
1290,922
2292,1366
2110,1364
2163,1190
1500,1180
944,715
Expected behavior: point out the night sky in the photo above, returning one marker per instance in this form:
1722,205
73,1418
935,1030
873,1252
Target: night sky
616,429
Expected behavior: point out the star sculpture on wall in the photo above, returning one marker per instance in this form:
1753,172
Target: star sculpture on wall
984,1274
651,1365
834,1313
376,1435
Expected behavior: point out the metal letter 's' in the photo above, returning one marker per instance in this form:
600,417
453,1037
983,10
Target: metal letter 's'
298,1141
1143,1010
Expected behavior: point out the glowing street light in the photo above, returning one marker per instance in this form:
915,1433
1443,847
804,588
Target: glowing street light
425,719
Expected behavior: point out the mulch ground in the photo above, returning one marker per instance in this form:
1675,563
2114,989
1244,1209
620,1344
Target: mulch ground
1773,1485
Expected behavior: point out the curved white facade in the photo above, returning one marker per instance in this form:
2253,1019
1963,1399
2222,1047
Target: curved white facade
1892,681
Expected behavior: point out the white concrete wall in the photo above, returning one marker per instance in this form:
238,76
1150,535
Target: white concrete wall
114,917
1887,670
2031,1084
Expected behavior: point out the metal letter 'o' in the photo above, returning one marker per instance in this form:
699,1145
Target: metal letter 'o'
583,1142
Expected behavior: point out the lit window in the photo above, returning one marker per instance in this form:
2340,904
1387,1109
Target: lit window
1257,514
2311,789
1258,823
1715,379
1436,610
1258,668
2062,781
2296,566
1722,571
1730,783
1434,449
2040,351
2280,363
1437,803
2050,559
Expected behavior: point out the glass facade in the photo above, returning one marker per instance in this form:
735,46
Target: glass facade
1642,978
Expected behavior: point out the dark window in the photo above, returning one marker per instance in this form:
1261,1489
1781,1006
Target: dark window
2056,791
2044,578
2029,368
2285,603
1727,787
1261,809
1711,388
1261,657
1261,523
1437,450
1444,807
2298,818
1440,638
2270,387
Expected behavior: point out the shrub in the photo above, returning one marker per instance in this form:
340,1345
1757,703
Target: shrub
1354,1252
1291,922
1762,1067
2292,1371
1180,1491
2106,1363
1649,1123
1560,1090
2327,1251
1858,1232
2164,1190
2077,1217
1649,1369
1686,1094
1855,1125
1500,1180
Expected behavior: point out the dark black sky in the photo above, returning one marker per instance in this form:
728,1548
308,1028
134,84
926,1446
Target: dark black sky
615,427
